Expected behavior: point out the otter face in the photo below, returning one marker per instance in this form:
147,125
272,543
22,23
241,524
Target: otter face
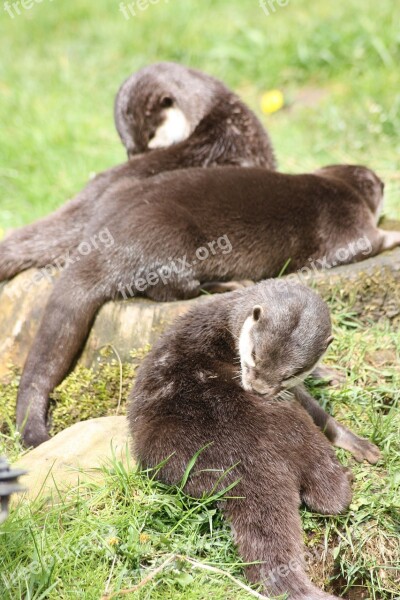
162,104
155,122
280,345
363,180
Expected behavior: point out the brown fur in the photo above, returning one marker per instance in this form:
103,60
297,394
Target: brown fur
224,131
188,395
267,217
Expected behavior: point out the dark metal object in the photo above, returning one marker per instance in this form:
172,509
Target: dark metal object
8,485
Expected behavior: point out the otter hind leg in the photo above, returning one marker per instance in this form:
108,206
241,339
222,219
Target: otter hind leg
65,325
338,434
267,530
360,448
326,485
43,243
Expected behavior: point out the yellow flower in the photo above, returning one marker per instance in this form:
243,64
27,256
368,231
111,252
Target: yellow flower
272,101
143,538
113,541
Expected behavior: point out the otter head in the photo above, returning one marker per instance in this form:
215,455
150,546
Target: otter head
161,105
282,339
363,180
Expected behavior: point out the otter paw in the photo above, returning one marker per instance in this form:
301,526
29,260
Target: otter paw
365,450
331,376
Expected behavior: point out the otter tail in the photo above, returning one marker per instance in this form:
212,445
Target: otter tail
265,517
268,534
266,484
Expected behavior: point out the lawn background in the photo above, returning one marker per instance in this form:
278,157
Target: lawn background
63,62
338,66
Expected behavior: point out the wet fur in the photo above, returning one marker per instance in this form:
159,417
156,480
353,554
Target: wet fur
268,218
188,396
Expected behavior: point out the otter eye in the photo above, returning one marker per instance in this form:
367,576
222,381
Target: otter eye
166,102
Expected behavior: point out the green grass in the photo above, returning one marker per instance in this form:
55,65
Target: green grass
62,64
119,530
356,551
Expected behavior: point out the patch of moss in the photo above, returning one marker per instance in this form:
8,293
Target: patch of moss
85,394
368,297
8,397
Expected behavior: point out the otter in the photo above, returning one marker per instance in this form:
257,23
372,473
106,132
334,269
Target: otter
219,383
169,117
174,101
179,233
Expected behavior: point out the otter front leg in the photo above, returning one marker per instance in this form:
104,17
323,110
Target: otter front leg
338,434
65,325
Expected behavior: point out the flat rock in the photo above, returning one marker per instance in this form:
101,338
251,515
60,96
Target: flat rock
133,324
126,325
75,455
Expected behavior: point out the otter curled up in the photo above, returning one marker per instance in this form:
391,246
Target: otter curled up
267,217
210,382
214,128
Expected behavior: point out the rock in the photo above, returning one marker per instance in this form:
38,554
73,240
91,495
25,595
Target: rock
133,324
74,455
127,325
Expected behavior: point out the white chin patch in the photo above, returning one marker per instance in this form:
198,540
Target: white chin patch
174,129
245,350
245,343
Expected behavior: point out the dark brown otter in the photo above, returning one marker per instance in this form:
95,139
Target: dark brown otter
181,232
166,103
213,127
209,384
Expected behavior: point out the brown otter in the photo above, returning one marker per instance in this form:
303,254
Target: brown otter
210,384
178,233
165,103
213,127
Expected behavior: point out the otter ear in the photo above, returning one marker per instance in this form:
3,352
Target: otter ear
329,340
166,102
257,312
